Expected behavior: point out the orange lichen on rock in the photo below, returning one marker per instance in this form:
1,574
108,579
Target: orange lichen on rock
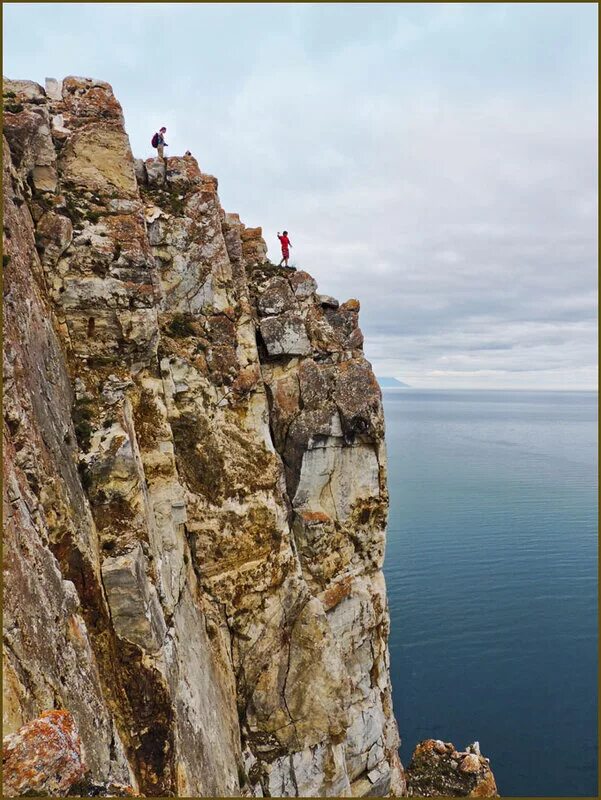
314,517
336,593
43,757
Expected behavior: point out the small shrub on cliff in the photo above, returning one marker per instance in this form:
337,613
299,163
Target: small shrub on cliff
176,205
169,201
148,420
84,476
39,243
82,415
41,199
199,458
180,326
72,211
83,432
92,216
14,108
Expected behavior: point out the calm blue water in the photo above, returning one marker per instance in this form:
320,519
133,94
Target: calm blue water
491,568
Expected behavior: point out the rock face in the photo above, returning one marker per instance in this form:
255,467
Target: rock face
194,480
195,495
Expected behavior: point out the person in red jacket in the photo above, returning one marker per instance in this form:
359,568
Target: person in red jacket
285,242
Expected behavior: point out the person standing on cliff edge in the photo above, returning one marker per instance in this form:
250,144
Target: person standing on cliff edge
158,141
285,242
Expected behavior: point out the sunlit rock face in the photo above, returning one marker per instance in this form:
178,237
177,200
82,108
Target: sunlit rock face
195,479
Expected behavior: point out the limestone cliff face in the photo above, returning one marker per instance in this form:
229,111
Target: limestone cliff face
194,478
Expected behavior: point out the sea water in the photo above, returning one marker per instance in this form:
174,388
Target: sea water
491,569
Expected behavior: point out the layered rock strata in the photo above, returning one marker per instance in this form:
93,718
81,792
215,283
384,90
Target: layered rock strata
195,479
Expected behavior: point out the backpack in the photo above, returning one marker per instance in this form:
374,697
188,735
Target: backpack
155,140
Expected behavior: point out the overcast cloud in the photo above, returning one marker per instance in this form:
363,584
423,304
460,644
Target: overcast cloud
439,162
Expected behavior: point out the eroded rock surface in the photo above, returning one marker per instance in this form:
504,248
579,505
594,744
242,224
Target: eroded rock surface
195,479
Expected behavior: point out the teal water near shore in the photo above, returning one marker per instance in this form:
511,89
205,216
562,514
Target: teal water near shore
491,569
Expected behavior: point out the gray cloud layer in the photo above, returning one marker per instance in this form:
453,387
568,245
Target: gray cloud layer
438,162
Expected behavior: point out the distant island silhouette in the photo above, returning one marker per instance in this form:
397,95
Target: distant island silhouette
388,383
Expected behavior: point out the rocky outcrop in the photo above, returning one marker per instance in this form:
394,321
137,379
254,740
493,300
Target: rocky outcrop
194,480
437,769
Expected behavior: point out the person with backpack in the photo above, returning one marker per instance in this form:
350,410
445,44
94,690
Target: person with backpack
158,141
285,242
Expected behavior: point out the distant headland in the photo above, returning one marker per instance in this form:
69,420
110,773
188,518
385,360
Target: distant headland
390,383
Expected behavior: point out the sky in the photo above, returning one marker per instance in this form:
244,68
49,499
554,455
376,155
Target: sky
436,161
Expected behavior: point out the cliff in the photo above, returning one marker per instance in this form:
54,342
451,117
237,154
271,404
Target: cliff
194,480
195,495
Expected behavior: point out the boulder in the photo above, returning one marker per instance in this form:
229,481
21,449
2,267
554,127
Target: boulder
155,171
254,249
54,89
285,335
327,301
183,174
23,91
276,298
303,285
140,171
98,157
27,131
44,757
135,608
